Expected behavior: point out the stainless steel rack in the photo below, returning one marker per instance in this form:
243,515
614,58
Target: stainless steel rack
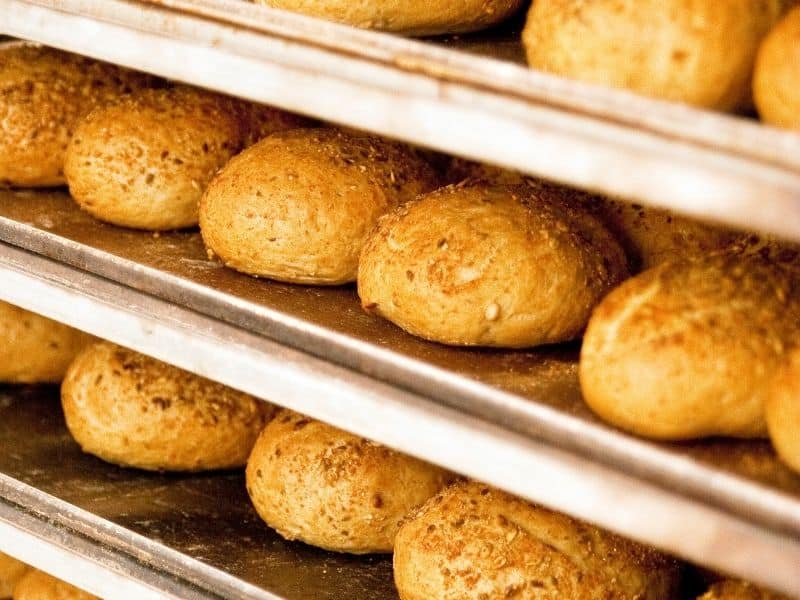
514,419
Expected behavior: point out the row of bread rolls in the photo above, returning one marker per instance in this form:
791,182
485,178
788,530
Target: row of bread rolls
18,581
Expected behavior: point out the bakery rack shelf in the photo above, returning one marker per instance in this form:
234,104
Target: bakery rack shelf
513,419
447,95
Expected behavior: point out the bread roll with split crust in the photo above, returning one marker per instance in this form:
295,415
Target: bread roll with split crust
485,265
299,205
408,18
739,590
686,350
698,52
36,349
331,489
472,542
11,571
38,585
776,80
132,410
43,95
144,161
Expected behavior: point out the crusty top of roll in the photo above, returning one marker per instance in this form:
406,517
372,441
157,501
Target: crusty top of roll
481,264
472,542
43,94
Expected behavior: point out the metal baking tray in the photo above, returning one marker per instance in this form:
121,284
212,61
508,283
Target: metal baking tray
192,536
467,96
719,502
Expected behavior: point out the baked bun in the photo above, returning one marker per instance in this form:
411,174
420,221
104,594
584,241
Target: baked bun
38,585
783,411
35,349
651,236
776,80
408,18
133,410
739,590
144,160
484,265
698,52
685,350
43,95
474,542
11,571
298,206
323,486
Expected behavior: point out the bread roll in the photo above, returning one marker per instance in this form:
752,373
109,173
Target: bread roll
484,265
144,160
651,236
783,411
298,206
35,349
685,350
408,18
776,80
11,571
132,410
474,542
323,486
695,51
37,585
738,590
43,95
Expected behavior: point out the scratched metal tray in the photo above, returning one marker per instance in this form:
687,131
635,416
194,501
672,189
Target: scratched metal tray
207,518
534,393
468,96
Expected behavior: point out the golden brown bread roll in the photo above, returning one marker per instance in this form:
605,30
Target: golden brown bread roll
776,80
43,95
36,349
506,266
298,206
651,236
475,542
38,585
699,52
323,486
408,18
685,350
144,160
11,571
739,590
133,410
783,411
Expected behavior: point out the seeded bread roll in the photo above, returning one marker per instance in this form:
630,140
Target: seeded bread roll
651,236
686,350
776,80
698,52
35,349
298,206
472,542
43,95
783,411
484,265
408,18
132,410
38,585
323,486
145,160
11,571
739,590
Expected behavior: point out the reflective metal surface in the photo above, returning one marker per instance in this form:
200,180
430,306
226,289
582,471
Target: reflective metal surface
711,166
207,517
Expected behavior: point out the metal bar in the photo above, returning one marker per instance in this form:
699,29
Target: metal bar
431,110
613,499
